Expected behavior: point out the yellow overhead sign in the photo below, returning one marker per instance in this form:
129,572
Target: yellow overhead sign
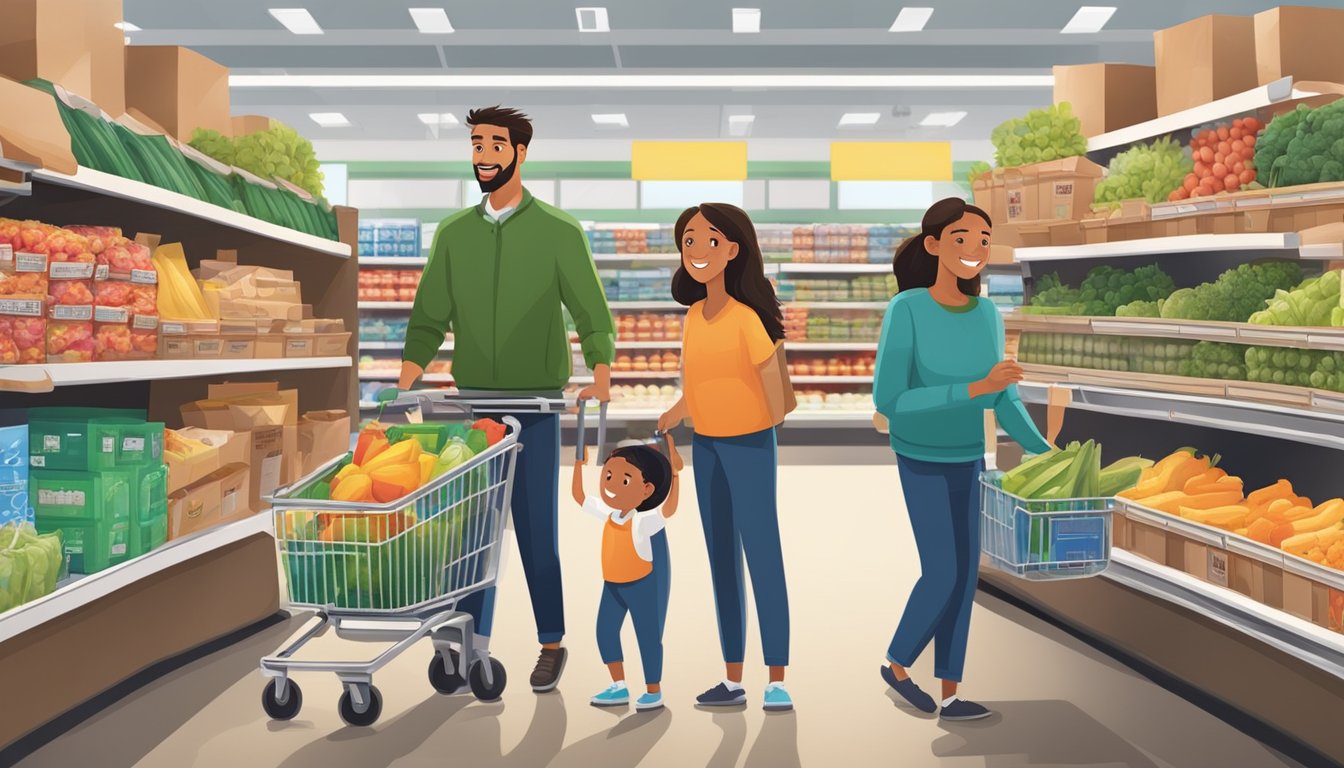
891,161
688,160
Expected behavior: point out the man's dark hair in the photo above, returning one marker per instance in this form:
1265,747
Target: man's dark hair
519,124
655,468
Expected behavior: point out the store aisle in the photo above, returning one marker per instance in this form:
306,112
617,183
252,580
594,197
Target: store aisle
851,563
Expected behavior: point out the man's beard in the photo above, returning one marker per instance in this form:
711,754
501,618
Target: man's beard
501,178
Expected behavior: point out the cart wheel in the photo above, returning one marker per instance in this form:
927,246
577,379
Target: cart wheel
493,690
281,710
372,710
445,682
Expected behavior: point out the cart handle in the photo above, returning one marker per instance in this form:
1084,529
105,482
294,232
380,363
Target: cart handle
581,405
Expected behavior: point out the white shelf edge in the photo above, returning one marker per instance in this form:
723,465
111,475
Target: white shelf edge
448,345
839,268
831,379
75,374
87,589
1231,106
653,375
376,262
837,305
664,305
386,305
128,189
830,346
1151,246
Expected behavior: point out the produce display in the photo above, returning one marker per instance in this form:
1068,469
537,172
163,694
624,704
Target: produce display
1074,472
1106,353
1224,158
1102,293
1316,302
1043,134
125,301
1152,172
277,152
1304,146
1296,367
826,324
1236,294
841,365
30,564
179,295
637,284
388,284
862,288
1216,360
644,327
666,361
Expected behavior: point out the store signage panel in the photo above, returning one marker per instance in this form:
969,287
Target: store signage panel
891,161
688,160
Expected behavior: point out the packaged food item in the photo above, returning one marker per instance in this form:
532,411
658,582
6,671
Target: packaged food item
69,341
22,340
125,296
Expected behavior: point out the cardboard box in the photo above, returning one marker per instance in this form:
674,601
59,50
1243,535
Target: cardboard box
178,89
192,509
107,54
245,124
1066,233
298,345
1147,541
323,435
227,447
46,39
1297,597
1054,190
1204,60
1299,42
31,131
235,502
207,346
1107,97
270,415
338,344
1094,230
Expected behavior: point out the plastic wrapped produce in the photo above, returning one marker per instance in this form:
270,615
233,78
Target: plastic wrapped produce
22,340
69,341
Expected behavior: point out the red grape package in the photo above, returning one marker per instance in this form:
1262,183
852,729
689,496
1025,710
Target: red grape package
125,296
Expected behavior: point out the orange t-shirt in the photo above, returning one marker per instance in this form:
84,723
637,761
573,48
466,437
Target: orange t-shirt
621,563
721,378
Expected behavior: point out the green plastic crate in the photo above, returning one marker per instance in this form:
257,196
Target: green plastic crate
119,444
92,510
149,511
58,438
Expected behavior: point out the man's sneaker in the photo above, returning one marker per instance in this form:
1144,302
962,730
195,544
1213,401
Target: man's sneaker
909,691
546,675
614,696
777,699
721,696
960,709
649,701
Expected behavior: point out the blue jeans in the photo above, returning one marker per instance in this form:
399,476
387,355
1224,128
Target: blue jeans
535,511
646,602
735,486
944,505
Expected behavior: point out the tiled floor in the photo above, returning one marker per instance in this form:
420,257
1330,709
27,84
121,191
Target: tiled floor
851,563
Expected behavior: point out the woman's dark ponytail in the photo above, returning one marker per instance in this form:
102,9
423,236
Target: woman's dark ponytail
914,266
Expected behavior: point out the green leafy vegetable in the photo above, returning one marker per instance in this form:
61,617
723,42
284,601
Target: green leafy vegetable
1044,134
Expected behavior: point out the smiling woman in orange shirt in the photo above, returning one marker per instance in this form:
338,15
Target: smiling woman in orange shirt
731,329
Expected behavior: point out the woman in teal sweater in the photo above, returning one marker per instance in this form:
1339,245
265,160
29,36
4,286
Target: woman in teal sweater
940,366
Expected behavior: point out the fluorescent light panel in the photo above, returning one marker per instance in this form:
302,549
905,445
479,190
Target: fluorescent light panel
740,125
746,20
911,19
1088,20
615,119
296,20
592,19
942,119
859,118
984,81
437,118
431,21
330,119
126,26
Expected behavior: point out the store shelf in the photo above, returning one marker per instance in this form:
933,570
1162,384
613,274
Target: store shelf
392,374
831,379
664,344
1288,242
658,375
832,269
837,305
380,262
1222,109
78,374
645,305
625,258
89,180
1287,633
82,590
830,346
1232,333
404,305
1313,425
448,345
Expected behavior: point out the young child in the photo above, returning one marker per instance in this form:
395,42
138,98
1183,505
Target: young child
635,570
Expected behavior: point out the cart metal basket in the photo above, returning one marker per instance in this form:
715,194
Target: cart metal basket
1043,540
397,571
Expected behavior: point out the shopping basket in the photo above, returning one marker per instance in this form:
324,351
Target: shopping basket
397,571
1043,540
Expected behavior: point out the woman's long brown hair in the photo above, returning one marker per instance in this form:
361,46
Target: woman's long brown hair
914,266
744,276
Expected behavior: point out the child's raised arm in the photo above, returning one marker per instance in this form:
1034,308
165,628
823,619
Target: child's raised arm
670,504
578,478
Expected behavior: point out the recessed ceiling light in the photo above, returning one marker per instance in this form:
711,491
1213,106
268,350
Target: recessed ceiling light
330,119
859,118
942,119
616,119
911,19
126,26
740,125
432,21
592,19
296,20
743,119
437,118
1088,20
976,80
746,20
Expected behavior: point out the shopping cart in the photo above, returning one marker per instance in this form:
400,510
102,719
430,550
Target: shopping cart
1043,540
397,571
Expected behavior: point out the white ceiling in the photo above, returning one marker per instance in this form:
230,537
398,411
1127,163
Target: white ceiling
837,37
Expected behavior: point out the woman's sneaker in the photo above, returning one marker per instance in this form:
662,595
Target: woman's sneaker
614,696
960,709
722,696
777,699
649,701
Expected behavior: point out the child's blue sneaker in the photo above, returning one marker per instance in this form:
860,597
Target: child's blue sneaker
614,696
777,699
649,701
